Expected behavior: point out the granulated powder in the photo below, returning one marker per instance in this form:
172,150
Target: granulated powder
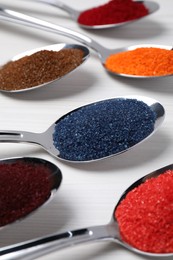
144,61
25,185
39,68
145,216
102,129
113,12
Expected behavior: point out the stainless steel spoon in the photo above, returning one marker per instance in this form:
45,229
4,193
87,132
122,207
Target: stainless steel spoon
150,5
54,172
35,248
103,52
45,139
54,47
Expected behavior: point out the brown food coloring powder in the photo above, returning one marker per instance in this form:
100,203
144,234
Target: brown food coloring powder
39,68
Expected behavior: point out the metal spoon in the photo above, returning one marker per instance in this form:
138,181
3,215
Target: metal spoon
54,171
150,5
103,52
35,248
54,47
45,139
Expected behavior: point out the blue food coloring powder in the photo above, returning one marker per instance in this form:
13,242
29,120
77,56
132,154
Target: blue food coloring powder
103,128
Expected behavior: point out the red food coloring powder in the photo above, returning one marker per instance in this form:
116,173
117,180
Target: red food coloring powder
145,216
24,186
115,11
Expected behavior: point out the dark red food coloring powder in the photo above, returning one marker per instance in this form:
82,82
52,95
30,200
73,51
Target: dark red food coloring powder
24,186
115,11
145,216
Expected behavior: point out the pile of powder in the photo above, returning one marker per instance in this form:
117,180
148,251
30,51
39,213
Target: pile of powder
145,216
39,68
115,11
145,61
24,187
102,129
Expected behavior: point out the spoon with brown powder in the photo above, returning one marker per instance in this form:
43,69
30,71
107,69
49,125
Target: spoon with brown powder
160,56
41,66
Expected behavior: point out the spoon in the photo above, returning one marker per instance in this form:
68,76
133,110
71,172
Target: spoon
103,52
46,139
56,48
44,245
48,173
151,6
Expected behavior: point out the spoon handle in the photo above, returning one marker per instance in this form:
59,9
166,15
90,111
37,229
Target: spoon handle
13,16
16,136
38,247
56,3
44,139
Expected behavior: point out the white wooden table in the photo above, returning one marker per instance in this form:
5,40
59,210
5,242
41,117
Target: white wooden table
89,192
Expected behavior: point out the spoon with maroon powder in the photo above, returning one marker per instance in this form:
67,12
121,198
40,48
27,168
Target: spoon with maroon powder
26,184
156,185
114,13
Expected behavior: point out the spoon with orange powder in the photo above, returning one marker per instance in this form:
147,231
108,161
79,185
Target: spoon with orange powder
138,61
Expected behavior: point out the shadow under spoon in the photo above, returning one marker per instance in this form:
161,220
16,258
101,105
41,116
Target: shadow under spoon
110,232
75,14
103,52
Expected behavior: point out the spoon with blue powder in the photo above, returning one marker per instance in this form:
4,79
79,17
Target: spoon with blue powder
97,130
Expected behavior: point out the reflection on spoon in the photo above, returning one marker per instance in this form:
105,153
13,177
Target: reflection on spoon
103,52
97,130
44,245
26,184
77,15
41,66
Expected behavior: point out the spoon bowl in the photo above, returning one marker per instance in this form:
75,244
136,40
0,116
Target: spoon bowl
47,140
55,48
51,177
103,52
110,232
74,14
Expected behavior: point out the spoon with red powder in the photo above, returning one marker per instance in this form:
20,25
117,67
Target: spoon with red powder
137,61
26,184
142,222
114,13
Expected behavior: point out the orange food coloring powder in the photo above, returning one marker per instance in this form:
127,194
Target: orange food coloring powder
144,61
